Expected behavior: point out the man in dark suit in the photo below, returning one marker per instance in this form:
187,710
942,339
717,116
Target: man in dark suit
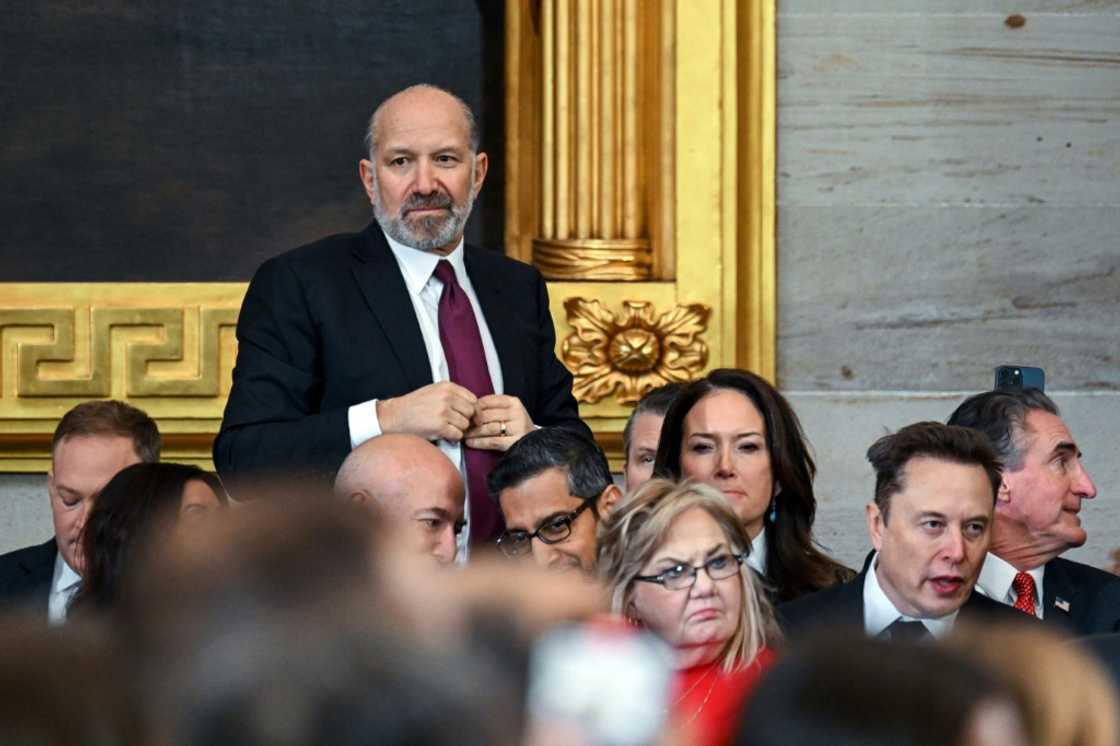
1036,520
930,525
400,328
93,441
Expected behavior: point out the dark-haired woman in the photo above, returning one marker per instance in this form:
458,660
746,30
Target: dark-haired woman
140,506
734,431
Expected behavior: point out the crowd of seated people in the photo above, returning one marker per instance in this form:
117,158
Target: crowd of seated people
423,544
279,618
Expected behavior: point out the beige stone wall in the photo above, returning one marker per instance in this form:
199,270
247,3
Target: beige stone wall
949,200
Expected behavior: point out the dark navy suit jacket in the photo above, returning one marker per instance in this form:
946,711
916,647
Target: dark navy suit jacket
841,607
26,575
331,324
1080,599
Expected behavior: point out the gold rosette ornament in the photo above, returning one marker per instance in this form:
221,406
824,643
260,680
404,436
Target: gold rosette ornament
634,351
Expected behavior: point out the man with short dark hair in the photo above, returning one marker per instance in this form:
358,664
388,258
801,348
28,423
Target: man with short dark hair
553,486
1036,519
930,525
401,328
93,441
409,483
642,431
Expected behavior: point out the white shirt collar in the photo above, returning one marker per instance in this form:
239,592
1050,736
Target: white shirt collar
417,266
64,584
64,576
756,560
879,613
997,575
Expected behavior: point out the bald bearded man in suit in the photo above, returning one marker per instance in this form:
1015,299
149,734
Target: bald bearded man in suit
401,328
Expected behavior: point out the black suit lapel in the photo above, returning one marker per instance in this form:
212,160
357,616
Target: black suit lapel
35,572
1061,602
386,294
500,318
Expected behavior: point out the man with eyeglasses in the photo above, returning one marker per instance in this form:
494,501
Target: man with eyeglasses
930,524
553,486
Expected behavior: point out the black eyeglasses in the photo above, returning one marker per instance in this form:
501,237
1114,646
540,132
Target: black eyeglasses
553,531
679,577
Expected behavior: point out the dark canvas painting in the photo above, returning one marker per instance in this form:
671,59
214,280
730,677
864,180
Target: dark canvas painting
189,141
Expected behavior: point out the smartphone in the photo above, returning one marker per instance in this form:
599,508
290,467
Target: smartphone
1019,377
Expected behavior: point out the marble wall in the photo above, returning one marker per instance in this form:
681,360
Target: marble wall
949,185
948,192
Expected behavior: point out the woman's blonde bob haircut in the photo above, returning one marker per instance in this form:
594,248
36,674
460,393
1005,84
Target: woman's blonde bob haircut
636,528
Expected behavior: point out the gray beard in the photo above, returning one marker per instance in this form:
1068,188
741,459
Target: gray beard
429,233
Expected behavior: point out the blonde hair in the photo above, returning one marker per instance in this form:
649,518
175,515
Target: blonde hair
1066,697
635,529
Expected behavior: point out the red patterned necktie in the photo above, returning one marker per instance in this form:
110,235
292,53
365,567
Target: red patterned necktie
466,364
1023,585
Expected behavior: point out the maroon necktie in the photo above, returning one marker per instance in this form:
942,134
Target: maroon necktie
466,364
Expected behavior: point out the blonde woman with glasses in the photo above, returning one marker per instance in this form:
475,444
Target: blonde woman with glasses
674,559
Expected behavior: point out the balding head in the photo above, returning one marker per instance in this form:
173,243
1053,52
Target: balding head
428,98
412,485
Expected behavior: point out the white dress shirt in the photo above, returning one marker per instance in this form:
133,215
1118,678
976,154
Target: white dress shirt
995,581
417,268
879,612
64,585
756,560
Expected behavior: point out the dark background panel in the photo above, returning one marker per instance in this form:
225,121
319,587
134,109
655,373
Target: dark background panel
189,141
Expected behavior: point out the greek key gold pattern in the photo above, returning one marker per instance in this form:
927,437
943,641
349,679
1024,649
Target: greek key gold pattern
77,358
168,348
632,351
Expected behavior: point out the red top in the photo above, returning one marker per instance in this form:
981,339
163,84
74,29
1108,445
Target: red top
707,702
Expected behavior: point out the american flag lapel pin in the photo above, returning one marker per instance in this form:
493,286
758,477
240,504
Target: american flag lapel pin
1062,604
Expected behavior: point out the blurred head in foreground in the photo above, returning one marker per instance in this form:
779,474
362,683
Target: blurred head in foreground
62,686
306,622
1068,698
848,690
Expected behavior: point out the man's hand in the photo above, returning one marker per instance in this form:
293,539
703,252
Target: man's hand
499,421
437,411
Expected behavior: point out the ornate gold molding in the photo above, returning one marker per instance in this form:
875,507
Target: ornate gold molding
631,352
592,258
705,145
593,135
167,348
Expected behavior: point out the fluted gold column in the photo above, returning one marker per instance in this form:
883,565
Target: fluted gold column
593,222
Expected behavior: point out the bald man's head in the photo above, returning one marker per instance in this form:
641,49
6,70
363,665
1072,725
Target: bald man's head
429,96
412,485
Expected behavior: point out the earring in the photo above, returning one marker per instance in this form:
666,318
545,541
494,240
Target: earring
773,511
